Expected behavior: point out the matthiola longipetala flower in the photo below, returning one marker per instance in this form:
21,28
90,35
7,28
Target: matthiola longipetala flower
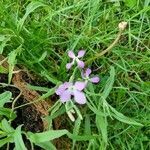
68,89
86,76
75,59
75,89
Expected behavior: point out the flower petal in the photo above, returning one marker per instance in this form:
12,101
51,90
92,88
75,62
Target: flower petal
65,96
80,63
95,79
81,53
71,54
69,65
79,97
88,72
62,88
80,85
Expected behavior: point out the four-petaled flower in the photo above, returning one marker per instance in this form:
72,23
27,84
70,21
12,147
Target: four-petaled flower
68,89
75,59
86,76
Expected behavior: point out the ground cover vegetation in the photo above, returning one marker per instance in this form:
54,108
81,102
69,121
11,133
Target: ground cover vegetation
72,77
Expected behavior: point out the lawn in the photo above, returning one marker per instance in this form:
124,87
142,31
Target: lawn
75,74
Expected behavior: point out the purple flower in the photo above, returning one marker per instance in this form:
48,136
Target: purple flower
67,89
80,63
86,76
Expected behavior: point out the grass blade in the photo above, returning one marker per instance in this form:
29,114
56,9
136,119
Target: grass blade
30,8
109,83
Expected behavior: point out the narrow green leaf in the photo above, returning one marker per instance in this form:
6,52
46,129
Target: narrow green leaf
46,145
91,89
3,69
3,42
81,138
43,56
146,3
19,144
12,61
57,113
76,129
29,9
49,93
2,38
101,124
87,125
5,141
109,83
130,3
119,116
38,88
77,126
7,112
46,136
5,126
55,107
94,109
51,78
5,97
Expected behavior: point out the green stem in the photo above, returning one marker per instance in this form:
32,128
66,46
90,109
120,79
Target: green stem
73,74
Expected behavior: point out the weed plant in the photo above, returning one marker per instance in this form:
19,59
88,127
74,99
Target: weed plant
37,35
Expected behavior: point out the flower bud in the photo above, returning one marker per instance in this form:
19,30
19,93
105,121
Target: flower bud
122,25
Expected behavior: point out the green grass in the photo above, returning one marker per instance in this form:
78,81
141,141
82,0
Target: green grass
42,33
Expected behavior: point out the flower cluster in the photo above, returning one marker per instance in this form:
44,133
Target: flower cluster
67,90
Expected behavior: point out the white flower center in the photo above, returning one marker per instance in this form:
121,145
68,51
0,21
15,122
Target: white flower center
72,88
